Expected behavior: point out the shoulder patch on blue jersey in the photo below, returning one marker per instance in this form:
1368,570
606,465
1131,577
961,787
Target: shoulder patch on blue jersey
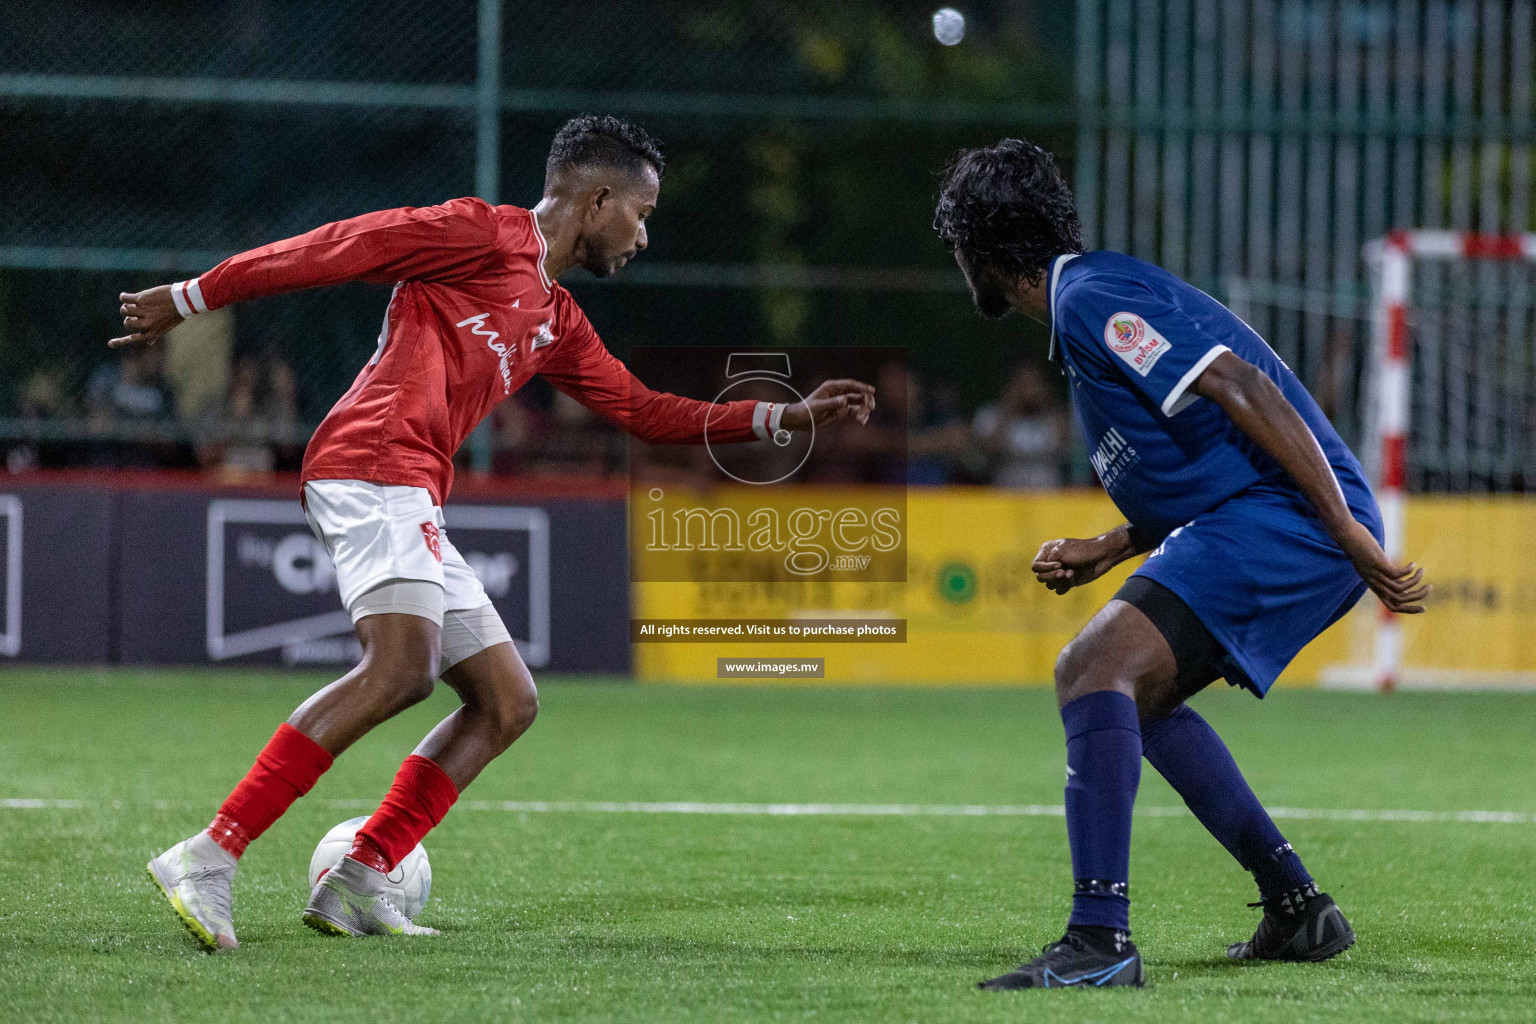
1135,341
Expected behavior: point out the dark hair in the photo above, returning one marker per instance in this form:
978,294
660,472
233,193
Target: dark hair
597,140
1009,206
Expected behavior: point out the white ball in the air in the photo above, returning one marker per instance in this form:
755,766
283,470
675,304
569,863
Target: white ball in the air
948,26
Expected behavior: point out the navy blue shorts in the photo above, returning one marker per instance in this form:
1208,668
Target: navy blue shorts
1263,576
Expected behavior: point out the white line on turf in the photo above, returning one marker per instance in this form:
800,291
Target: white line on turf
944,810
864,810
17,803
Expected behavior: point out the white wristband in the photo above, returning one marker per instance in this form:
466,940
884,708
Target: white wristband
765,422
188,297
760,420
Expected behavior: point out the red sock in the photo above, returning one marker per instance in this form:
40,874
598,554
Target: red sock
287,768
418,800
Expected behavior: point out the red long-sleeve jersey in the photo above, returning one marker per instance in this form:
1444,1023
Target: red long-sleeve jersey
472,318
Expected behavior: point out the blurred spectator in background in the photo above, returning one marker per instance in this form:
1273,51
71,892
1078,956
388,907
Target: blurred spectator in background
130,391
520,425
1025,433
917,435
261,412
577,443
876,452
939,448
131,388
282,406
42,397
541,432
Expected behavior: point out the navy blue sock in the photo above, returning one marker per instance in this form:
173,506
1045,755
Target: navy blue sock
1103,771
1186,751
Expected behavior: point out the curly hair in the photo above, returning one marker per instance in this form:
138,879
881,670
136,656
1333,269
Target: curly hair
1008,205
598,140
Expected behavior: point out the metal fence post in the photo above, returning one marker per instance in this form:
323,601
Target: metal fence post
487,166
488,104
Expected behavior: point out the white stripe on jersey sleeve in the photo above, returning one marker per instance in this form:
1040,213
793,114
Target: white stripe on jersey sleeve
195,295
1179,398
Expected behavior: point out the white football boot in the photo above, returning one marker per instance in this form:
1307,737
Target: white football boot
350,901
195,876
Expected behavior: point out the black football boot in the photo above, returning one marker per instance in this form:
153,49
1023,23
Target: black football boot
1304,926
1076,961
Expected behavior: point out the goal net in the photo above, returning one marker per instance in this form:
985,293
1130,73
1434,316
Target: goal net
1431,377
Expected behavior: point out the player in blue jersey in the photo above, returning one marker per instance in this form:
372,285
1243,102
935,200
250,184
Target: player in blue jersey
1262,532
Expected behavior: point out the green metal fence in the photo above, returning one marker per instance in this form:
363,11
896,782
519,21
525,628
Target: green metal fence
148,141
1255,145
1250,145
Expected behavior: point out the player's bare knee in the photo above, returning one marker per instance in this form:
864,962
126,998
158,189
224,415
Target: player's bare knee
1069,662
418,687
1080,671
526,706
404,681
1065,671
401,656
411,685
515,710
1076,672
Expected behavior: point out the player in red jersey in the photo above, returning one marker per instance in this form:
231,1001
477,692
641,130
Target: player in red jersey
475,313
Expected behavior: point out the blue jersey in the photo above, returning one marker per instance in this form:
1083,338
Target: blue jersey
1133,338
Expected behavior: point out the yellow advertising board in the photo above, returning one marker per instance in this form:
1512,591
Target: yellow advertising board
974,612
1481,622
976,616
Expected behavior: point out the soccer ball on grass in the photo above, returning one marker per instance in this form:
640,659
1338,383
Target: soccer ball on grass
407,886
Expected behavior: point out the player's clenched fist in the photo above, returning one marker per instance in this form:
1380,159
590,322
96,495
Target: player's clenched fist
1071,562
147,315
834,400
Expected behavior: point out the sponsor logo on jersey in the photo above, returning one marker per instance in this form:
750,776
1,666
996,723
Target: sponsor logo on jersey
434,544
504,353
544,336
1125,332
1112,457
1135,341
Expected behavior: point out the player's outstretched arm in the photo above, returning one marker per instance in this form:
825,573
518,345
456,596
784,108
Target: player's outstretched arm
1071,561
441,243
583,368
660,417
1262,411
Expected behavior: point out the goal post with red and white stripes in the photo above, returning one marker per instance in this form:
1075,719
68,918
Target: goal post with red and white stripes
1454,390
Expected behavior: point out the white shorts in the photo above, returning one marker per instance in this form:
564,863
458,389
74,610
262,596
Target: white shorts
377,533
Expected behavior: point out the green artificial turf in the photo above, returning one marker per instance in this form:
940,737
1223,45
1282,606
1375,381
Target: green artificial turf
586,916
